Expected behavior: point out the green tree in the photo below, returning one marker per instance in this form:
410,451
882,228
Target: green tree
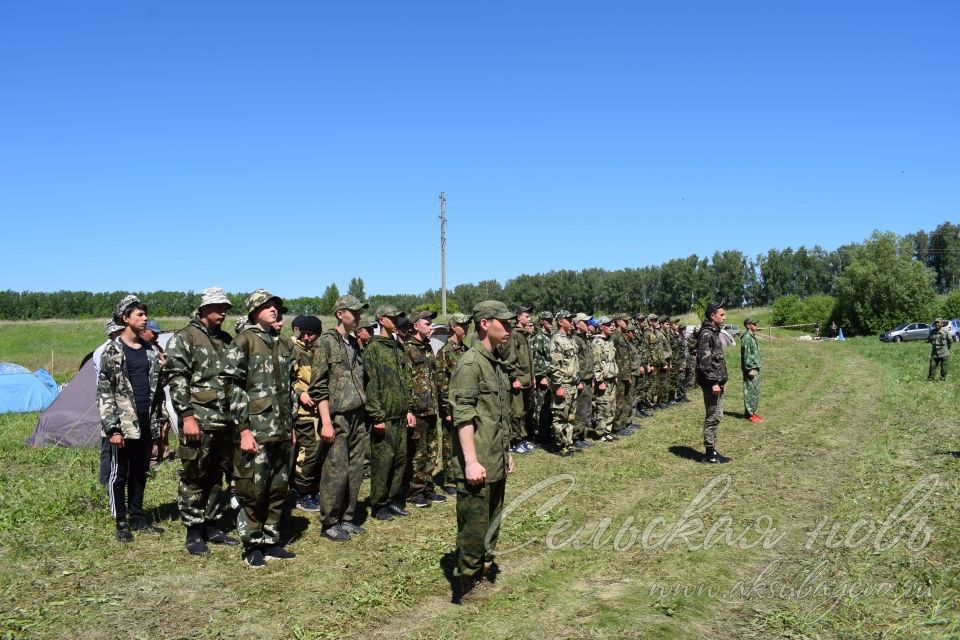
329,299
945,256
355,289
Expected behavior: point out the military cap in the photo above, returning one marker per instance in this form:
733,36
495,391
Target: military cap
492,309
311,324
523,309
368,324
563,313
938,321
403,324
349,302
582,316
713,307
240,324
545,315
652,317
417,316
458,318
750,320
605,320
676,321
214,295
112,326
260,298
296,322
122,306
388,310
620,316
153,325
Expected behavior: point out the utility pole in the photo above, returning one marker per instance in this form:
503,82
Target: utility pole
443,255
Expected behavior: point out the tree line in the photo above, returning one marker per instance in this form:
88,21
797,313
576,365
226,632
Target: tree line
886,278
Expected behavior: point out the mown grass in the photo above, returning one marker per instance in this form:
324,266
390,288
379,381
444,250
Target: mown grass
851,428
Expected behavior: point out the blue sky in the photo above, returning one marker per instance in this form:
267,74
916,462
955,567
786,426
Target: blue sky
288,145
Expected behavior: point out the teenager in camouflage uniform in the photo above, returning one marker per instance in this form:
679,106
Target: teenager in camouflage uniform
422,440
200,397
644,370
447,359
583,428
132,413
305,476
624,358
652,345
365,331
750,368
666,357
605,377
480,399
940,345
540,349
258,367
389,394
712,377
336,387
519,359
564,380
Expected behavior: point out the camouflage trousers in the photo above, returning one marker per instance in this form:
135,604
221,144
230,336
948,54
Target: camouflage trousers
688,375
388,461
624,411
341,468
674,384
422,448
751,394
446,447
652,388
564,414
642,391
479,508
663,385
205,464
583,417
937,363
521,414
542,414
261,484
713,405
605,407
306,457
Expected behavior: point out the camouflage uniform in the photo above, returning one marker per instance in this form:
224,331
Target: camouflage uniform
540,349
691,356
519,359
711,370
564,374
389,394
447,359
939,352
337,378
624,379
640,378
750,361
605,372
258,367
306,448
651,342
676,359
666,356
195,356
583,413
422,439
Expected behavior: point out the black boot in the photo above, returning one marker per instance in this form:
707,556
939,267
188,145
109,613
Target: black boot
215,535
196,545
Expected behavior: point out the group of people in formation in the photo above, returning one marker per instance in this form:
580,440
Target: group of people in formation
267,416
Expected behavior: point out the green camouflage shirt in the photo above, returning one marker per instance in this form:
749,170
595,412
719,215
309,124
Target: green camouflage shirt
447,359
118,408
622,355
652,345
749,352
564,363
259,368
480,395
193,370
423,367
585,356
540,349
940,343
604,359
337,373
519,357
387,380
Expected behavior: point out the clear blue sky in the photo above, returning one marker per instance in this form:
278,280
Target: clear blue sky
176,145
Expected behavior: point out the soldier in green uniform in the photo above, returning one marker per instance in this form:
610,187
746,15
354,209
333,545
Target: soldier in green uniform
480,400
564,380
389,405
305,477
422,440
447,359
750,367
365,331
519,359
605,379
258,367
651,343
583,427
939,350
624,358
644,371
540,348
337,388
676,359
712,377
666,356
200,397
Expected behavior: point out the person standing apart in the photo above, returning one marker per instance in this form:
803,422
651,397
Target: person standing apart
712,376
940,350
750,367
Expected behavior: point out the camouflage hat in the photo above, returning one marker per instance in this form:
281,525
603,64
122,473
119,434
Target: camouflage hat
545,315
213,295
239,324
605,320
367,324
417,316
112,326
122,306
563,313
523,309
388,310
458,318
676,321
403,324
652,317
750,320
492,309
260,298
938,320
350,302
582,316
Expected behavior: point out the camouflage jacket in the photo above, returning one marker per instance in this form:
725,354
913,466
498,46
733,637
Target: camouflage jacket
585,356
423,367
676,349
663,342
623,357
118,408
388,387
641,345
302,375
480,395
564,363
193,370
749,352
652,345
336,376
604,359
259,367
636,359
711,367
447,359
540,349
940,343
519,357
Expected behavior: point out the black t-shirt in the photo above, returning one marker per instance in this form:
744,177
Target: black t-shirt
138,370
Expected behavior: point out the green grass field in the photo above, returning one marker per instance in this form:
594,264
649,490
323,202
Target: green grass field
835,519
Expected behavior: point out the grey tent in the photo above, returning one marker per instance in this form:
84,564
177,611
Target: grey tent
73,419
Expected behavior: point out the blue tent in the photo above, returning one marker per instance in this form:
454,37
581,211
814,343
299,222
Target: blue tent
23,390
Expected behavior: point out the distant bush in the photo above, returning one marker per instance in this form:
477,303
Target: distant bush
951,306
789,310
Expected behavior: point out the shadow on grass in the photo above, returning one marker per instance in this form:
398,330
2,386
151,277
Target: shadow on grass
448,562
686,453
735,414
955,454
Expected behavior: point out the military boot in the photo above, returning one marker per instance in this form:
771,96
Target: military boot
196,545
215,535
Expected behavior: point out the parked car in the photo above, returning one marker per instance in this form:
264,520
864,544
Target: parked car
907,331
953,326
732,329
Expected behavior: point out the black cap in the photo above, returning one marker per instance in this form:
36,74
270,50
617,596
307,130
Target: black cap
310,323
713,306
296,322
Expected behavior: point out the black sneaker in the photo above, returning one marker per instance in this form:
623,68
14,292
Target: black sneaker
336,533
308,503
254,558
712,457
434,497
450,490
418,500
397,509
580,444
140,525
352,529
124,534
276,552
216,536
565,453
384,514
195,544
518,449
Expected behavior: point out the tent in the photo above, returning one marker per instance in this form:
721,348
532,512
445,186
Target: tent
23,390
